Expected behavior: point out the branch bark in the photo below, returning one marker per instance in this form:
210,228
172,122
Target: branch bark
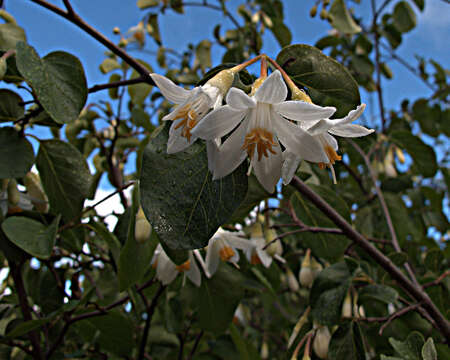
414,291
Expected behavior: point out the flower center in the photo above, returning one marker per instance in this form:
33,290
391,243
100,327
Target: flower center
332,156
255,260
261,140
226,253
184,266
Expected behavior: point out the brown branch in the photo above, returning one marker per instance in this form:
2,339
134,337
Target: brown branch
16,272
194,348
415,291
437,281
76,20
116,84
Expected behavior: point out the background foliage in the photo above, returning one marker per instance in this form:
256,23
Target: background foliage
78,286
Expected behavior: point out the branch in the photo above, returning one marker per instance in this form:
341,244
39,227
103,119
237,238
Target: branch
437,281
115,84
194,348
16,272
415,291
75,19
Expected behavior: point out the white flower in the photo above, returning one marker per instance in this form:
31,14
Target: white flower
137,34
167,271
263,126
222,246
193,105
321,131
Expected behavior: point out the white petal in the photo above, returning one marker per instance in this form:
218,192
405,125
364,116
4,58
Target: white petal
171,92
352,115
350,130
265,258
239,100
231,154
212,257
290,165
177,142
273,90
299,141
268,169
212,148
303,111
218,123
331,141
166,271
193,273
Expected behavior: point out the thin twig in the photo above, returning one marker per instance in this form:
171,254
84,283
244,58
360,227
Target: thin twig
194,348
415,291
116,84
437,281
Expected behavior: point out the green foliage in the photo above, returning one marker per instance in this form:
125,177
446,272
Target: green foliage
347,343
16,154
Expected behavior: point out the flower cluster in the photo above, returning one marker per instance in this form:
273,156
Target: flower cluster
272,132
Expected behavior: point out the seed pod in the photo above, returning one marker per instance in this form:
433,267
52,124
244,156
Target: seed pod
322,342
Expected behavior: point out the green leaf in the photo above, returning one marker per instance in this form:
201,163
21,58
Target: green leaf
411,348
424,114
180,199
10,34
434,260
115,332
58,81
328,292
327,81
391,33
347,343
16,154
219,297
109,237
328,246
143,4
281,32
31,236
25,327
404,17
429,351
153,28
12,74
135,257
65,177
381,293
341,18
109,65
422,154
420,4
139,92
10,107
255,194
245,348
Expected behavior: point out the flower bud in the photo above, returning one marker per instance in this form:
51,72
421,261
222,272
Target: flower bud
306,275
222,80
313,11
32,182
323,14
400,155
347,306
321,342
316,267
142,230
13,193
275,248
389,167
264,350
3,68
116,30
292,281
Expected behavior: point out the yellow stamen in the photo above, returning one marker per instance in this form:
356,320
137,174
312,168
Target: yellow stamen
226,253
255,260
184,266
190,119
262,140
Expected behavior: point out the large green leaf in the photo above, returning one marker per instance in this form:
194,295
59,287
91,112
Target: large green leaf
281,32
429,350
58,81
16,154
11,108
31,236
25,327
382,293
65,177
328,293
180,199
404,17
219,297
139,92
341,18
143,4
347,343
411,348
135,256
328,246
10,34
422,154
327,81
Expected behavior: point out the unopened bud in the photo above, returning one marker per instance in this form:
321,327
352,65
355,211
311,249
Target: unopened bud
347,306
316,267
116,30
222,80
267,20
292,281
389,167
123,42
321,342
32,182
323,14
13,193
306,275
313,11
275,248
142,230
400,155
264,350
